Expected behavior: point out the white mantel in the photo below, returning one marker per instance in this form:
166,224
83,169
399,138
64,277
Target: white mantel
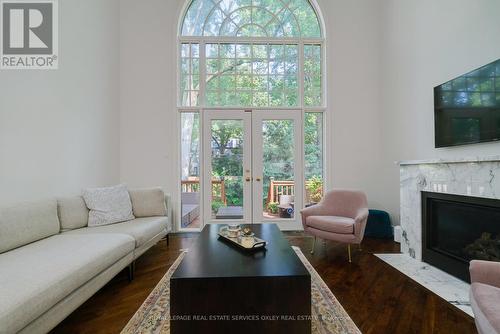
475,176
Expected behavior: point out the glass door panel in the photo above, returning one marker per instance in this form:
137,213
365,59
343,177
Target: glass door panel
190,171
277,167
227,168
228,175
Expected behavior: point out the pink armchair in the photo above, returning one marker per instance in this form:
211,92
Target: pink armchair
485,295
340,216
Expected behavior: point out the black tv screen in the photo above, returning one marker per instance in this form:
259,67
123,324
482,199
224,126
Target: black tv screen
467,108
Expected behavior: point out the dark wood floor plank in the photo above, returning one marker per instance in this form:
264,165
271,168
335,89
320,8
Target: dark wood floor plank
378,298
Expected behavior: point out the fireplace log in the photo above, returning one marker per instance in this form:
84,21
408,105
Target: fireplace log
484,248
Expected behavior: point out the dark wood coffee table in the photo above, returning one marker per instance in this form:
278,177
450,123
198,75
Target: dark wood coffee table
219,288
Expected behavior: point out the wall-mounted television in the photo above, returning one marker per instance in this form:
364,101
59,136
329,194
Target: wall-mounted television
467,108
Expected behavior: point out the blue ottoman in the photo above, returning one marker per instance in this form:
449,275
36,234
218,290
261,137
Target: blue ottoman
379,225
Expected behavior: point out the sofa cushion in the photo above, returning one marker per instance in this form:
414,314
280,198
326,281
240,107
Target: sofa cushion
148,202
73,213
141,229
487,299
27,222
333,224
35,277
108,205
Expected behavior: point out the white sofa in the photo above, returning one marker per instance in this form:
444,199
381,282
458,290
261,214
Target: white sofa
51,262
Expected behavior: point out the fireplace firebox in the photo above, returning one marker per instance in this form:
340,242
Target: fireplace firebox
457,229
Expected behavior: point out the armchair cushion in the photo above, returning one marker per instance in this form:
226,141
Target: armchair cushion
333,224
485,299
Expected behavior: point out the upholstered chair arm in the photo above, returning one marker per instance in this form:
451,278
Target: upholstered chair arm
486,272
360,224
362,215
314,210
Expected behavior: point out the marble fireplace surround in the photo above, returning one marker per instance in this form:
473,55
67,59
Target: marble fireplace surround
477,176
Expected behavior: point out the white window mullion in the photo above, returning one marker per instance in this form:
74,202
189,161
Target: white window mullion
235,75
268,73
179,74
252,60
244,39
202,101
323,74
190,75
201,172
300,79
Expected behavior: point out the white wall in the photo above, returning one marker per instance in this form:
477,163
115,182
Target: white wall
426,43
149,121
149,140
353,94
59,130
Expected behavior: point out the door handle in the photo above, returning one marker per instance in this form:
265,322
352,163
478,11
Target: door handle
257,179
248,179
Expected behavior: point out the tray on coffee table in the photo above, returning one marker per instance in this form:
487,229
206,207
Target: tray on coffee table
239,241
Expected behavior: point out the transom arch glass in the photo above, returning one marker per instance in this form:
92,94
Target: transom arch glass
251,53
251,18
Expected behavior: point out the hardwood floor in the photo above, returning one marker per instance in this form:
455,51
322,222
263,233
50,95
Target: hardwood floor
377,297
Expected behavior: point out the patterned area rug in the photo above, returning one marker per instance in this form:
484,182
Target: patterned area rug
329,317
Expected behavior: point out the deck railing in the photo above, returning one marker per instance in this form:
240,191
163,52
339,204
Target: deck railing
278,188
218,188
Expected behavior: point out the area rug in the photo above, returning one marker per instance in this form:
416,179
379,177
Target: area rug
328,316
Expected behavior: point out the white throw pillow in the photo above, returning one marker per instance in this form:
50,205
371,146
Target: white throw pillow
108,205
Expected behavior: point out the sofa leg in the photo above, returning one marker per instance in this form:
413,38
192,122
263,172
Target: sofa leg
130,272
168,239
314,245
359,247
349,252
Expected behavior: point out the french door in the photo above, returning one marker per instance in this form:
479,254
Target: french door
253,167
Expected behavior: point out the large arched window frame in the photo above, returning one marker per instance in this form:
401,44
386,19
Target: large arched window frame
194,61
195,93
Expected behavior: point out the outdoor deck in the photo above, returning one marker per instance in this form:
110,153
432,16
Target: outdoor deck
191,199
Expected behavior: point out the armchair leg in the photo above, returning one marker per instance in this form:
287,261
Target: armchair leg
314,245
349,252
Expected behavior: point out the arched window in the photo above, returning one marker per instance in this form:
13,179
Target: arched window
251,103
265,18
251,53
